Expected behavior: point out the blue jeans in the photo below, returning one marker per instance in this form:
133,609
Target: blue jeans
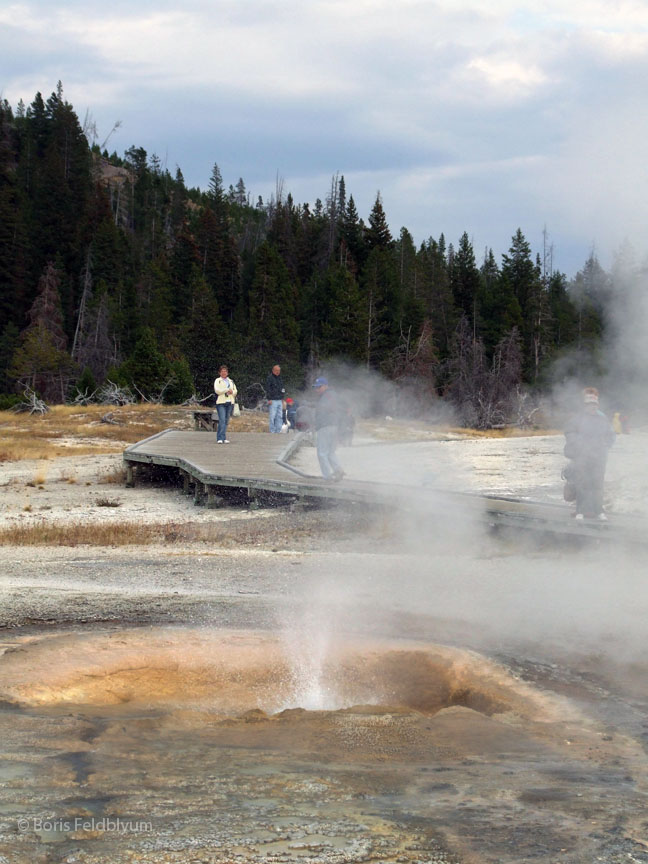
275,414
224,410
327,439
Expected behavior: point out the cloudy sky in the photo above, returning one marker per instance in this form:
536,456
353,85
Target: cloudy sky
468,115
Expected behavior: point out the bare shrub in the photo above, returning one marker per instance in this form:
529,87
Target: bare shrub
486,395
112,394
31,404
116,475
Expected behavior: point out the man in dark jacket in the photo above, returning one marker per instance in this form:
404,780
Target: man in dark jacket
588,437
275,394
327,418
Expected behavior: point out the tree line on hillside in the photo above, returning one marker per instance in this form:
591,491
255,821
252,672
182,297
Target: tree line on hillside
111,269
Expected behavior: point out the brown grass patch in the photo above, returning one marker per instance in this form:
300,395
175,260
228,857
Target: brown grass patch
68,430
43,533
307,530
116,475
506,432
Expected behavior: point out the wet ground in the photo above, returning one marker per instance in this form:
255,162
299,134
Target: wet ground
401,697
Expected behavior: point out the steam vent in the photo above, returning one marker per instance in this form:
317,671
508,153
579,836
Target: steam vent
430,661
272,750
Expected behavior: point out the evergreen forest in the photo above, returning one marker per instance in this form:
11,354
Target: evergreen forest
111,269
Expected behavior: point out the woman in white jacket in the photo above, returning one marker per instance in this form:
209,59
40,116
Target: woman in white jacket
225,390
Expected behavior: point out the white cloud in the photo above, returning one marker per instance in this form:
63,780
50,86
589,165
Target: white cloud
531,111
505,77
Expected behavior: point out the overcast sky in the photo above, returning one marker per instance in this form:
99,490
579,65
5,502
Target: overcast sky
468,115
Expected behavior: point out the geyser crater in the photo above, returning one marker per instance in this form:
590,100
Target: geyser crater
233,672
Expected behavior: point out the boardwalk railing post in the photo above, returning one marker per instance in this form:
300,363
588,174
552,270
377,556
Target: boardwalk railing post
253,499
213,499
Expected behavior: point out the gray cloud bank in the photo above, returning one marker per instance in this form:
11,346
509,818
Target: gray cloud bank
470,115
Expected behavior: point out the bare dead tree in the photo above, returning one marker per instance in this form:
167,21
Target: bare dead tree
485,395
32,404
109,418
85,398
113,394
115,127
156,398
86,293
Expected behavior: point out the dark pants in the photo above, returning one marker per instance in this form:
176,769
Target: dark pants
224,410
589,472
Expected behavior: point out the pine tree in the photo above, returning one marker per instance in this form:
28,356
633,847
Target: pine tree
343,323
146,371
411,301
205,338
464,281
519,269
13,238
378,235
499,309
563,312
241,194
181,386
383,307
353,249
216,196
272,329
435,293
588,291
9,341
219,260
184,257
41,361
524,278
45,312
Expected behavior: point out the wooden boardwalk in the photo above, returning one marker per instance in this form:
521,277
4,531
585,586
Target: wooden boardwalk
259,463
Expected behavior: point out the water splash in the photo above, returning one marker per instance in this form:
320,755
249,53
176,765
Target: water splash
307,644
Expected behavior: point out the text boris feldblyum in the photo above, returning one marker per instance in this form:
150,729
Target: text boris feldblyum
105,825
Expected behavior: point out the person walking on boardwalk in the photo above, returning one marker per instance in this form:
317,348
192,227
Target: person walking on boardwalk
327,418
225,390
275,394
588,437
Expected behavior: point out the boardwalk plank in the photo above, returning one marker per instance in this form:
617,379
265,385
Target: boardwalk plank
250,462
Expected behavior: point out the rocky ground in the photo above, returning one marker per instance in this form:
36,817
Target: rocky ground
468,700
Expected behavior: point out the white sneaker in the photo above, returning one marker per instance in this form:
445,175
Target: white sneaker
226,441
579,516
602,517
219,442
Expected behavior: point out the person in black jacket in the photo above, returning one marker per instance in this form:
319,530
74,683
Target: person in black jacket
275,394
588,437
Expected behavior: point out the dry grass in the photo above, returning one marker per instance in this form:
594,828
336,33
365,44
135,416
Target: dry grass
69,430
44,533
116,475
306,530
506,432
40,477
